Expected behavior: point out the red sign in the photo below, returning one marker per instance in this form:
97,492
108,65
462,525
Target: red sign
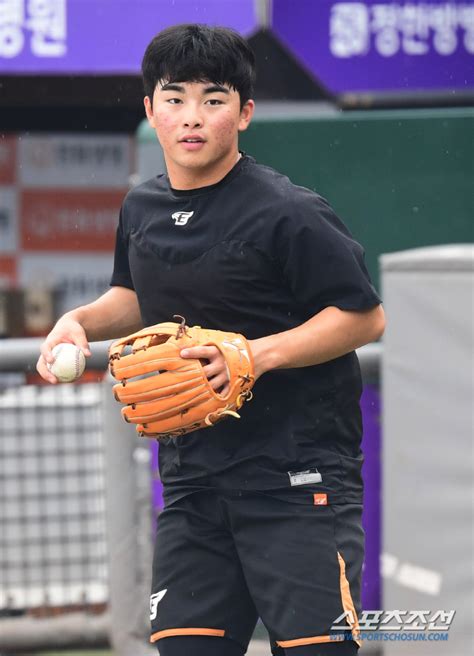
7,271
7,159
69,220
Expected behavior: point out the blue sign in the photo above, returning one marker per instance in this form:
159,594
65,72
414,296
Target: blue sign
100,36
381,45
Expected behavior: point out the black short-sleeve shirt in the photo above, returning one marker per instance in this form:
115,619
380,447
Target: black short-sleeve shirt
258,255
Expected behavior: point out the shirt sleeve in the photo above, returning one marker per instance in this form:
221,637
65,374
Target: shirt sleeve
321,262
121,276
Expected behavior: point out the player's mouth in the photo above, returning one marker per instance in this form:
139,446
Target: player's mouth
192,142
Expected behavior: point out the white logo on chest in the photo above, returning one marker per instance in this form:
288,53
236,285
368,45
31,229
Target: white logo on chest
181,218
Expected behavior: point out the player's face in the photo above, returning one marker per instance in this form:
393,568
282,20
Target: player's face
197,124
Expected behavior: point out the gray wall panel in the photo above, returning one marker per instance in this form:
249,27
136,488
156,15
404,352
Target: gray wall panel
427,440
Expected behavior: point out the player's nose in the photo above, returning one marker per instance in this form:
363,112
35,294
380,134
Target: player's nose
192,118
193,123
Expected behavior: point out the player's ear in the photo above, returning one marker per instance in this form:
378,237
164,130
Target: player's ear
149,111
246,114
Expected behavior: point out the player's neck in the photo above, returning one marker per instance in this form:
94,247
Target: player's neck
187,178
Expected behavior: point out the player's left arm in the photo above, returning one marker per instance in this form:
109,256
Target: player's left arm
327,335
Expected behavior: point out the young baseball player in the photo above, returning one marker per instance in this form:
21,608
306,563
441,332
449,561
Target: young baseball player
262,516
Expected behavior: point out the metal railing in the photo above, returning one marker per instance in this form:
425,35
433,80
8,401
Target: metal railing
21,355
75,514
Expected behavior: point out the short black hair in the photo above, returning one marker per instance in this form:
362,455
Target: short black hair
192,52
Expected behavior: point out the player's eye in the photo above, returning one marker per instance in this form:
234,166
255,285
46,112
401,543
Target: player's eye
214,101
173,101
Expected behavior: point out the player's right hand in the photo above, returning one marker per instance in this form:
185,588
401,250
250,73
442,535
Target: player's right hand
66,330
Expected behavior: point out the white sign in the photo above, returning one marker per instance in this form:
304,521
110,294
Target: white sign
413,28
43,21
90,161
8,220
77,279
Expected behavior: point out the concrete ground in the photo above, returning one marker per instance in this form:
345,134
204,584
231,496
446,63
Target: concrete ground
259,648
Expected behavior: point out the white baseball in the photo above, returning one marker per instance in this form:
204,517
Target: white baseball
69,362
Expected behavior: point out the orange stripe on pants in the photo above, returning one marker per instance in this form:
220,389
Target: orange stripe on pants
167,633
347,602
314,640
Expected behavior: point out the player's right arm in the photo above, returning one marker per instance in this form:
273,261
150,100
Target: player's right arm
114,314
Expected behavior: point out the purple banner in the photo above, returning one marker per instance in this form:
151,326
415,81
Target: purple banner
381,45
100,36
157,486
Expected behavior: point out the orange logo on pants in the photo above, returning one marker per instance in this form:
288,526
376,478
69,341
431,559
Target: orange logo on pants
320,499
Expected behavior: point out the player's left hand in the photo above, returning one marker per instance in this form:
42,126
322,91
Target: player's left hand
214,365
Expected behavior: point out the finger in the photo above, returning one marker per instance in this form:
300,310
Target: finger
46,348
218,381
78,337
213,369
44,372
225,390
50,342
83,344
204,352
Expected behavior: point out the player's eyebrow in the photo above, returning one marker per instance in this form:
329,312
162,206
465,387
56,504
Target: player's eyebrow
171,86
212,88
216,88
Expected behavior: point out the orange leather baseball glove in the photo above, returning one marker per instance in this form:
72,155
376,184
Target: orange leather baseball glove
167,395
